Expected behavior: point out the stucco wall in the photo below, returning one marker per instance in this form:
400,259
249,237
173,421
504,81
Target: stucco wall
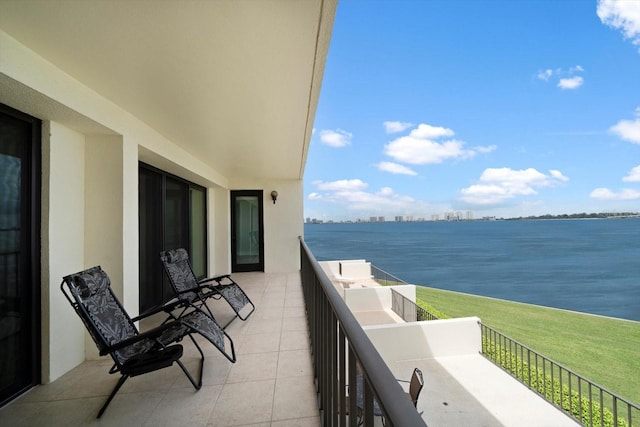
62,247
426,339
219,231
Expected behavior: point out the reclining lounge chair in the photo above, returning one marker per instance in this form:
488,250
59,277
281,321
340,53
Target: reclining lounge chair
114,332
192,292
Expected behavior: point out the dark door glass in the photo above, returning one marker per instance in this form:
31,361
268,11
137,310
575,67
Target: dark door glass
19,249
151,239
247,235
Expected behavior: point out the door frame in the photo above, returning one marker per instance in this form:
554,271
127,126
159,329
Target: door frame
259,266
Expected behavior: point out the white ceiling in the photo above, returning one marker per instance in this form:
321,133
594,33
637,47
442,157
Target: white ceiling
235,83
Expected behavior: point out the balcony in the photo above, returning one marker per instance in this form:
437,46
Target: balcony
270,384
297,355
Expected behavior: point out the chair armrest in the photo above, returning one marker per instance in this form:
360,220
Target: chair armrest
216,279
196,289
168,307
150,334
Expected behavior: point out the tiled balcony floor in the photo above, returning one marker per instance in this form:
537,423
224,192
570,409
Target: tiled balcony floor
271,384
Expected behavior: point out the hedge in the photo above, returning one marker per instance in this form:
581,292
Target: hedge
548,387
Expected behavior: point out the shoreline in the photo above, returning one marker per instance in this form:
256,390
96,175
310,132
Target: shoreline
529,304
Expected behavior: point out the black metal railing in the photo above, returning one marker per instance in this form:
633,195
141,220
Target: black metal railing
341,351
409,310
582,399
385,278
401,305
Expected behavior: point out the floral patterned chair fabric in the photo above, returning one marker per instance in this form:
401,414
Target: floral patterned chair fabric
115,333
193,292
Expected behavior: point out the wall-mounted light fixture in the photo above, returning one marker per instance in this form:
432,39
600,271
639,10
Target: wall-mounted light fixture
274,196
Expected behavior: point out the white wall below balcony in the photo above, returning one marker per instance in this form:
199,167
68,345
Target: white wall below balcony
462,387
427,339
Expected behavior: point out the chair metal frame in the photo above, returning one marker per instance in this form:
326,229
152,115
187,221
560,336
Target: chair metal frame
416,383
133,352
193,292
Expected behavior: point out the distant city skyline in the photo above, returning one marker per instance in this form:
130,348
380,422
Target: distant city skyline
503,108
445,216
468,216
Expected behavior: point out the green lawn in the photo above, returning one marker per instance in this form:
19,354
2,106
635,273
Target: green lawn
604,350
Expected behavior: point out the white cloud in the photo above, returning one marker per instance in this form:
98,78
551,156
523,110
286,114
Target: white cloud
623,15
341,185
395,168
421,147
335,138
425,131
558,175
395,127
545,75
571,82
566,78
633,176
629,130
497,185
486,149
416,151
352,194
606,194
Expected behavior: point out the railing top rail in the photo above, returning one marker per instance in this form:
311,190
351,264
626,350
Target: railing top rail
389,393
562,367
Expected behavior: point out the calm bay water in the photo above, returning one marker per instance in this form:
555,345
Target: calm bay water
591,266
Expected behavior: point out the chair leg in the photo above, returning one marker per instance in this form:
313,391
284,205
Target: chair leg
121,381
197,385
229,322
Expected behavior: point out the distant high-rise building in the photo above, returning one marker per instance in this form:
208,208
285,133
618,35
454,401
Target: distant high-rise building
373,219
450,216
399,218
380,219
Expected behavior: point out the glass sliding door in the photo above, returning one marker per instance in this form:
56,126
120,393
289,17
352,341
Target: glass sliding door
19,253
172,215
151,238
247,237
198,230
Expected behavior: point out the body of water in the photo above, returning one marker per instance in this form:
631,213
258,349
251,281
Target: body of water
591,266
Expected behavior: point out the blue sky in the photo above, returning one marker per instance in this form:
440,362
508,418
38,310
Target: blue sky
501,108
